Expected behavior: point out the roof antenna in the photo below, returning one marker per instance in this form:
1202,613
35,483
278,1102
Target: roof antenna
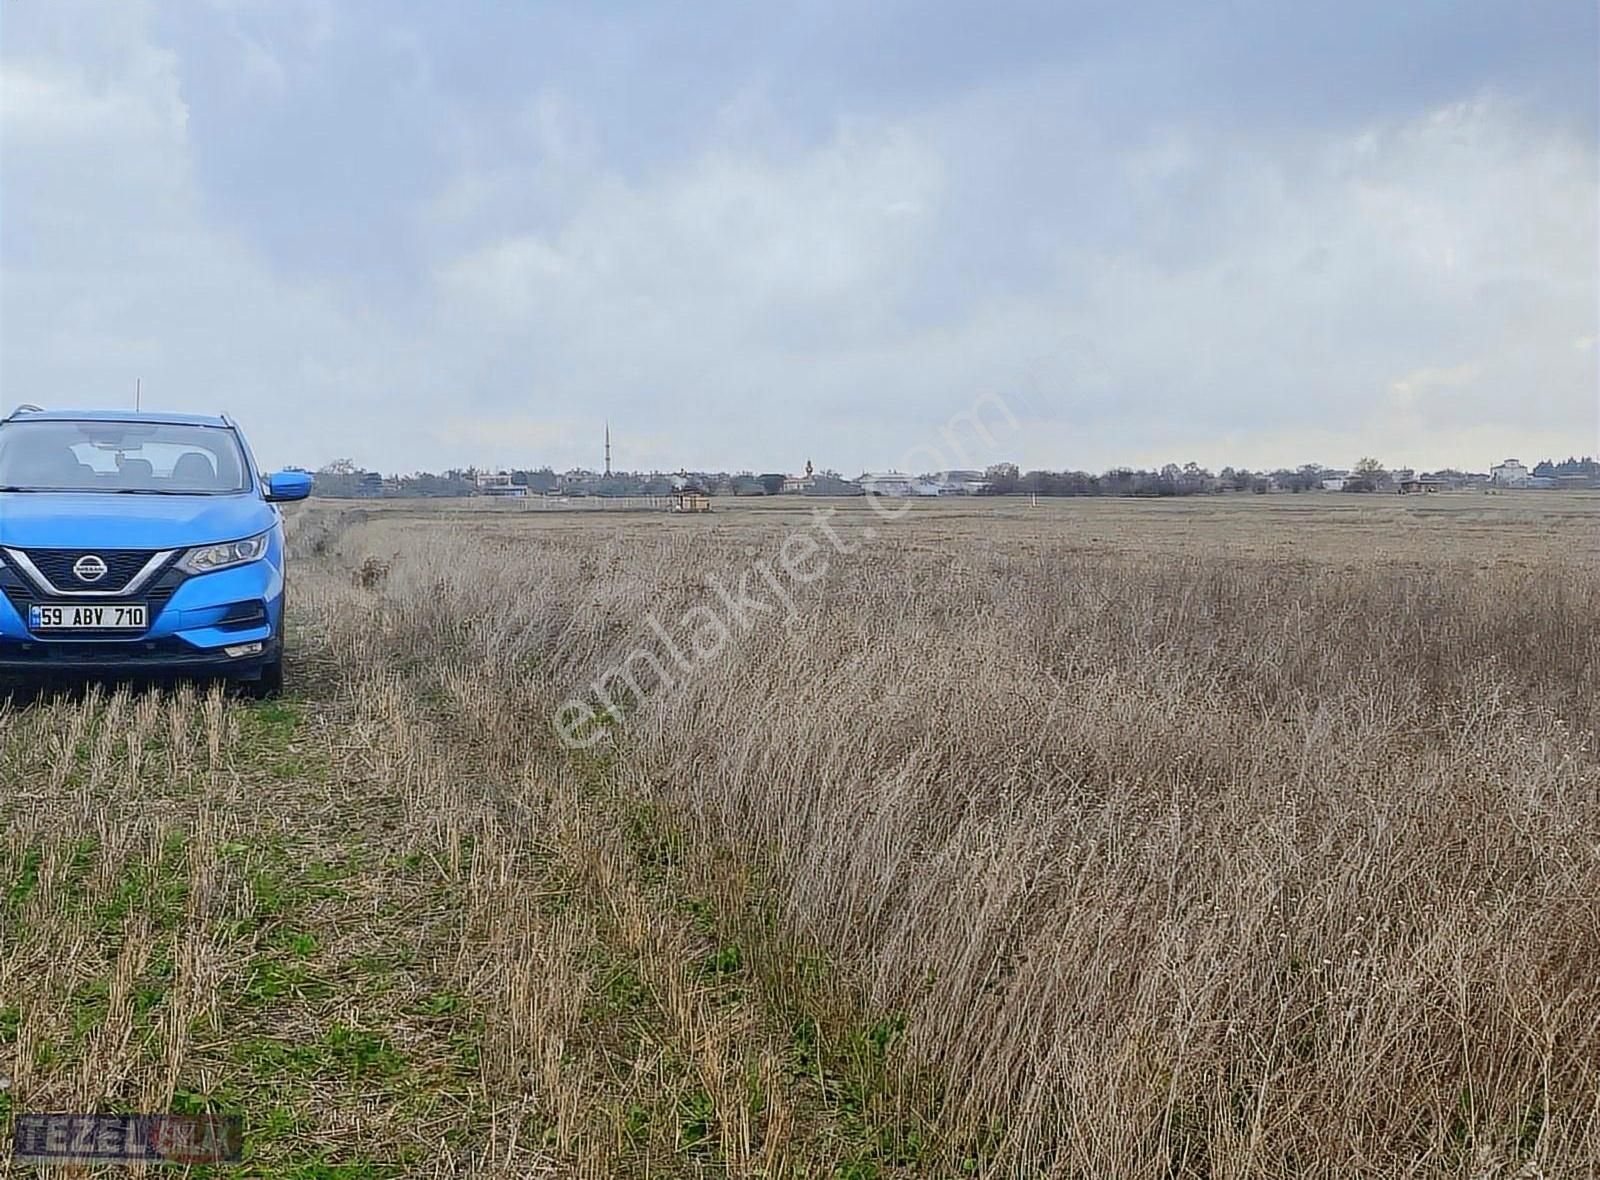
138,393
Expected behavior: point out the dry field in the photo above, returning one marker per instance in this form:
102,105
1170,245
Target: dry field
1247,837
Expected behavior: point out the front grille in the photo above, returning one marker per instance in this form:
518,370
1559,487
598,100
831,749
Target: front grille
22,594
121,565
15,587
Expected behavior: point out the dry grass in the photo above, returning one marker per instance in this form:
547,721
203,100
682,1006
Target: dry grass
1113,842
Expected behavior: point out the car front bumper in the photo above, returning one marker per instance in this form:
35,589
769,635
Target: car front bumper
194,622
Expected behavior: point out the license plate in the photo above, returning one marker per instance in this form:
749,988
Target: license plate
126,616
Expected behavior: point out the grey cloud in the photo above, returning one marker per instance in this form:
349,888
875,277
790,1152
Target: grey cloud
429,236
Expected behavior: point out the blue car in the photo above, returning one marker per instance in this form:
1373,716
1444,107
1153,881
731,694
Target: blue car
140,543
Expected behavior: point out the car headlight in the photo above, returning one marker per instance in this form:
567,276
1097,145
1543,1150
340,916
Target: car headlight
206,558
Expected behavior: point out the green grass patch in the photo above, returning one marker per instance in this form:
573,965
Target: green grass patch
697,1119
158,889
26,878
271,723
616,990
282,1064
300,944
88,1006
409,864
277,886
442,1004
80,863
272,982
271,732
701,912
361,1053
355,1170
152,985
723,963
656,844
466,1047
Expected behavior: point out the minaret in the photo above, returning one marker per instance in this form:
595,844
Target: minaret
608,448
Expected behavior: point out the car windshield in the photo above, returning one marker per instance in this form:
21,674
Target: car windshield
92,456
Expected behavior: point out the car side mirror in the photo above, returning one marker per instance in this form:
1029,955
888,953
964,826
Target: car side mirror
283,486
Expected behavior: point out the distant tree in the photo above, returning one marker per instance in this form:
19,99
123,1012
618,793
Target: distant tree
1196,479
657,484
426,483
1366,476
1119,481
1002,478
772,483
338,478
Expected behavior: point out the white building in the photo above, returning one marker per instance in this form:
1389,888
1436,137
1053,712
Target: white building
959,483
1510,474
499,484
887,483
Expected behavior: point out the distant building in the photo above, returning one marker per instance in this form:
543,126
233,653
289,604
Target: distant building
1333,483
1571,473
1510,474
960,483
499,484
690,499
800,484
887,483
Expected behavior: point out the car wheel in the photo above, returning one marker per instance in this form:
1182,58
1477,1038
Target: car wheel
269,684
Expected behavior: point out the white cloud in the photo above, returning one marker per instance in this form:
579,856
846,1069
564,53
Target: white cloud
1422,287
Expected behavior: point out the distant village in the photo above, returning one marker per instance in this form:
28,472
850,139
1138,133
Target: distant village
343,478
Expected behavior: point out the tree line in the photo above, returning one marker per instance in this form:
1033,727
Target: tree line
1005,479
344,478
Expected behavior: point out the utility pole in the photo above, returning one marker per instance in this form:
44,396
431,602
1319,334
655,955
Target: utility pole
138,393
608,448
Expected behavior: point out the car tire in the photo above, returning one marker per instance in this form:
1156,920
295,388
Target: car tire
269,684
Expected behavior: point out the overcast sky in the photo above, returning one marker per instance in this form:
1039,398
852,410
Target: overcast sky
427,235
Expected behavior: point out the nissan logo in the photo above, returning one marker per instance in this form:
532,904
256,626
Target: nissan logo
89,568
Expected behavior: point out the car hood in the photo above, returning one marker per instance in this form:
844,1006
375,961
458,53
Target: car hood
91,520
